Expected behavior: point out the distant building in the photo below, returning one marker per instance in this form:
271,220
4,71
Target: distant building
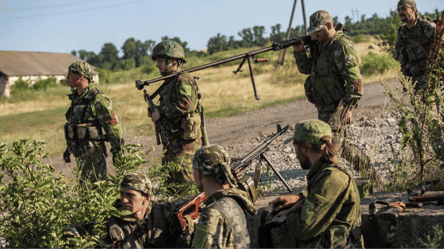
29,65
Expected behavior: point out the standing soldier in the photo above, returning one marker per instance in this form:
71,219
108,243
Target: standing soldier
328,213
222,223
178,111
89,115
413,43
334,85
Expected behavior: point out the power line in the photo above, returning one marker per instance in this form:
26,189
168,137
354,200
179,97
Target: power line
26,9
71,12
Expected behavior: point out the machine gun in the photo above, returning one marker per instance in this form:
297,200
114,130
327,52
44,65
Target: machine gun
189,211
245,57
159,128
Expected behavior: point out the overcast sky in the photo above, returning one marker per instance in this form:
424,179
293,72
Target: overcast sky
66,25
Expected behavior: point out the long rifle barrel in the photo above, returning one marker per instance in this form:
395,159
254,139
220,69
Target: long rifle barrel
275,47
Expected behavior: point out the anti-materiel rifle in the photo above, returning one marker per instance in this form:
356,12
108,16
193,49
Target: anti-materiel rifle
245,57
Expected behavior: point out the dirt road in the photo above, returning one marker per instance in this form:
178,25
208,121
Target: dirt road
234,130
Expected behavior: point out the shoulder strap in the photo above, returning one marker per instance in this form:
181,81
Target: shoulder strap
161,87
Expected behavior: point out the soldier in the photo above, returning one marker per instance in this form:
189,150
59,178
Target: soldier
334,85
144,225
413,43
89,115
328,213
222,223
178,110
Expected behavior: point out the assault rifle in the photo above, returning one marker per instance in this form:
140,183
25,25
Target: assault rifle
245,57
189,211
159,128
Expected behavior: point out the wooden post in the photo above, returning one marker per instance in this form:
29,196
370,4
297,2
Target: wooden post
281,58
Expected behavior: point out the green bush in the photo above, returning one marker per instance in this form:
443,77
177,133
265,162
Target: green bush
20,86
43,84
361,38
374,63
40,208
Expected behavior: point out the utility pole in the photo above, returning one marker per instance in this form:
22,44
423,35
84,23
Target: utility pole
357,15
353,15
303,16
281,58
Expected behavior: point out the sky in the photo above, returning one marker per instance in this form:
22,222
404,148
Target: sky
65,25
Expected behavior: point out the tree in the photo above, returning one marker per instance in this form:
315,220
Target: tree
389,31
109,53
276,35
335,20
74,53
348,21
247,37
232,43
217,43
258,33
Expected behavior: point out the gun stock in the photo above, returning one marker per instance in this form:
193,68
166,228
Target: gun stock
152,108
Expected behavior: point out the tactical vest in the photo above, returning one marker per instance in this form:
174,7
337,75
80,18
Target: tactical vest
326,89
414,48
187,127
236,219
79,130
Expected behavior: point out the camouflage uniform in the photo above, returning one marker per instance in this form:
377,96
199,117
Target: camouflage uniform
413,45
179,108
222,223
330,216
127,232
334,83
90,113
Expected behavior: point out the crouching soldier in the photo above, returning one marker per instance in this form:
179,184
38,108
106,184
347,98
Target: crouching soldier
222,223
328,213
143,223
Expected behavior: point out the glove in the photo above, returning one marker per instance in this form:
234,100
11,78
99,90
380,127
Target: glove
66,156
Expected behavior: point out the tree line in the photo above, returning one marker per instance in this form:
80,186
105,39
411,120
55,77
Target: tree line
137,53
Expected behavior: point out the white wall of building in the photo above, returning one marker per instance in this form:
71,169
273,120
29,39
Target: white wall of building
7,82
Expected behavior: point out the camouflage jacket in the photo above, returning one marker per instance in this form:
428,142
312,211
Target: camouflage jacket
94,111
222,223
331,208
412,46
334,72
127,232
180,107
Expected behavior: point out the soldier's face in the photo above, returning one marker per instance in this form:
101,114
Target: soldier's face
321,34
133,200
160,64
302,157
405,13
198,179
72,79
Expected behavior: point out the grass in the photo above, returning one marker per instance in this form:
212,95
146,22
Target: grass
40,115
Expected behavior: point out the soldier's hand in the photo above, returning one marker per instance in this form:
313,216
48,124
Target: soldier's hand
285,201
155,116
149,112
298,47
346,116
66,156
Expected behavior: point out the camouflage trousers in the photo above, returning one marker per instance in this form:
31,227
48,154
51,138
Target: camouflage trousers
94,166
331,115
182,153
336,236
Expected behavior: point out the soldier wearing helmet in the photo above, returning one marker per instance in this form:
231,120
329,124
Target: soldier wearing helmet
91,121
179,110
335,83
222,223
328,213
413,42
143,223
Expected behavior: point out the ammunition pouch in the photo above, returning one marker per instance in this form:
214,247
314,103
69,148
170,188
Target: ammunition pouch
83,138
247,184
191,127
308,86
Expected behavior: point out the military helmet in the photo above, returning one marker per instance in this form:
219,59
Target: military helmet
310,131
169,49
138,181
214,161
